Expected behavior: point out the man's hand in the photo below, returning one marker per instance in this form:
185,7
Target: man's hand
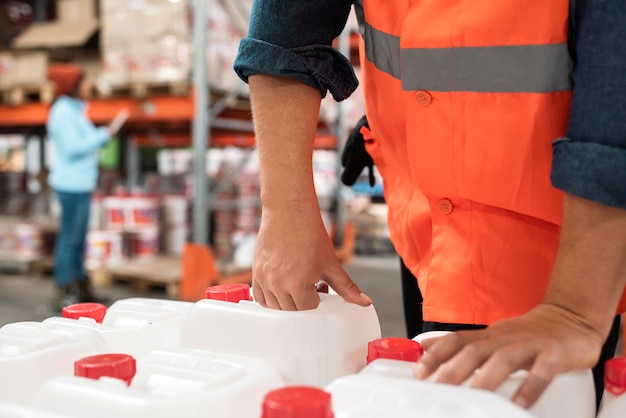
546,341
564,333
293,249
292,255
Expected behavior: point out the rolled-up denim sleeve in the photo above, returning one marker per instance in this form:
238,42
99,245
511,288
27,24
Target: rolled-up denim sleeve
293,39
591,161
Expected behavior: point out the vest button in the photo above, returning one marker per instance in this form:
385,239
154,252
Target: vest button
423,98
445,206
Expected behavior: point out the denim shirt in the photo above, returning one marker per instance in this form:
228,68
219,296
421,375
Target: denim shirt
293,38
591,161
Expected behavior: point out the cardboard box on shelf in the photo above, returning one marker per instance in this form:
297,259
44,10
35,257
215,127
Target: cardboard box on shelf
25,68
75,10
76,23
114,6
6,62
164,60
130,24
116,62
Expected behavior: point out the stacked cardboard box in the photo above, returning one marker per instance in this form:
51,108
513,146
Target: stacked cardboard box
23,68
24,72
144,41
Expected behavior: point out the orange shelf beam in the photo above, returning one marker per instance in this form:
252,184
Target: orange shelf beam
218,139
153,109
34,114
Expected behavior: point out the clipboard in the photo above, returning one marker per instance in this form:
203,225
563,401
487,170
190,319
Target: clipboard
119,120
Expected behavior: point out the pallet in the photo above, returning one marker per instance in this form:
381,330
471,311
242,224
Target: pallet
13,265
43,266
37,93
163,272
144,89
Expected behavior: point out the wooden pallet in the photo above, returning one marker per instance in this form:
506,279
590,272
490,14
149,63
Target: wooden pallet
13,265
144,89
43,266
163,272
38,93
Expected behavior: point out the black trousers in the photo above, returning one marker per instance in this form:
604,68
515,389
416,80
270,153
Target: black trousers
415,324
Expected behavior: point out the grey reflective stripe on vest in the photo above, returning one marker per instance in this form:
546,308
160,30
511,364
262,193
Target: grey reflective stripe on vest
498,69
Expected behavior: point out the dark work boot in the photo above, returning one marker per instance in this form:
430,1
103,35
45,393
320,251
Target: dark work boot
65,295
86,293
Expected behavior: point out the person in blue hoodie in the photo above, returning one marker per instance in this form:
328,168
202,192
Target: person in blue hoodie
73,177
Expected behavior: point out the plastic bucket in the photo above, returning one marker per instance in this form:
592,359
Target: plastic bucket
104,248
142,212
115,216
144,243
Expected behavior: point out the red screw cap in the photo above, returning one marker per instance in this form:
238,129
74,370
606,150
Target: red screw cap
297,402
615,375
233,292
395,349
88,310
120,366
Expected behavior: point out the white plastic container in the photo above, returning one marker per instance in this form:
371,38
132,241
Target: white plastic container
569,395
175,209
376,395
144,243
177,383
175,238
28,241
96,212
10,410
33,352
142,212
104,248
115,216
306,347
135,326
614,397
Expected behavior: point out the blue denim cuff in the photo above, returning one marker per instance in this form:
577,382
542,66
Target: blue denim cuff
318,66
590,170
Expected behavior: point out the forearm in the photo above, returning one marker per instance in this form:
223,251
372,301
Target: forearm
285,114
590,270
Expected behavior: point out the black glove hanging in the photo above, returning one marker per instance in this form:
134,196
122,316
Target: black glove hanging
355,158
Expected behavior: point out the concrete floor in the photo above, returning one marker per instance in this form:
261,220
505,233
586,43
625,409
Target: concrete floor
27,297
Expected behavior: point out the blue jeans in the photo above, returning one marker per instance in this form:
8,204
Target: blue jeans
69,253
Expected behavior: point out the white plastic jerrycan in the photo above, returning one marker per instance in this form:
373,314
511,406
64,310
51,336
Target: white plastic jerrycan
189,383
377,395
569,395
33,352
614,398
132,326
297,402
11,410
309,347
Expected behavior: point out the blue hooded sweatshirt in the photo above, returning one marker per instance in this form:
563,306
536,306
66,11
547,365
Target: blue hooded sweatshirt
76,141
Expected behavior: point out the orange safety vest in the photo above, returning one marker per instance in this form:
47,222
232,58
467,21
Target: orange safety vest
464,99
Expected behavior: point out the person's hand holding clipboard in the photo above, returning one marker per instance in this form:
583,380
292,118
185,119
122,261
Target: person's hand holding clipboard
118,121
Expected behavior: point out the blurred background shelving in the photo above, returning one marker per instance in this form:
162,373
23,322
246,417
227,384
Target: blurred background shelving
143,55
